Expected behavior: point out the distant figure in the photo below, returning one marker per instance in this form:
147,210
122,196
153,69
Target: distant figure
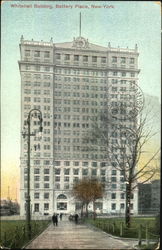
76,218
55,219
61,216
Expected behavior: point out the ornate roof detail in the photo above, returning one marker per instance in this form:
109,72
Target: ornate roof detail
80,42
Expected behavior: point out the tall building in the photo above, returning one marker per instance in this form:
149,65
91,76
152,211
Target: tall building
72,83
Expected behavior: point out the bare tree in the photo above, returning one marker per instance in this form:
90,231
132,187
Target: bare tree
88,190
126,150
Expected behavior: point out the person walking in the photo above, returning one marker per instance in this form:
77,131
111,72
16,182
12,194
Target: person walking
76,218
55,219
61,216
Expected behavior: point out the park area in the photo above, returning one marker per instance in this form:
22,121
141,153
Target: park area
14,233
145,229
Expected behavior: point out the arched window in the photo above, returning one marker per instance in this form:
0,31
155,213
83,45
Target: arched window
61,196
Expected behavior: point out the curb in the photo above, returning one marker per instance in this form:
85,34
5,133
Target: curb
35,236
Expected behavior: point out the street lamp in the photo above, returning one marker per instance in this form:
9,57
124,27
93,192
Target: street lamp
28,134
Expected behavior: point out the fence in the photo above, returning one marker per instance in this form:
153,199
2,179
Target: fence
17,236
143,233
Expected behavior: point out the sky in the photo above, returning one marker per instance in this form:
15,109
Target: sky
122,23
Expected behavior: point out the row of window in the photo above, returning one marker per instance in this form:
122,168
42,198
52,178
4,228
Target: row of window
37,53
63,206
37,68
75,72
75,179
37,76
80,72
94,59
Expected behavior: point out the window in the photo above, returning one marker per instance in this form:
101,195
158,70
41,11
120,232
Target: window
36,207
46,195
123,73
57,163
123,59
132,60
27,52
84,171
66,171
36,171
76,171
85,163
94,164
46,171
58,56
36,185
113,172
66,178
121,205
36,195
47,68
76,57
122,196
46,54
61,206
46,185
103,59
132,74
113,186
67,56
46,206
76,163
46,178
57,171
37,53
114,59
94,58
67,163
131,206
113,206
103,171
57,178
113,196
66,186
36,177
94,171
85,58
113,179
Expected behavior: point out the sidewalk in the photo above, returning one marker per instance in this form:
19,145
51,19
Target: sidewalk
67,235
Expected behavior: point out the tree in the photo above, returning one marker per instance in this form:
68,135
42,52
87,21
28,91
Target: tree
126,150
88,190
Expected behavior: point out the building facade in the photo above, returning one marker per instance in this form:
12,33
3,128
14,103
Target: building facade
72,83
149,197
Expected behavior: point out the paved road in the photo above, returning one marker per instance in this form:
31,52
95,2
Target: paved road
67,235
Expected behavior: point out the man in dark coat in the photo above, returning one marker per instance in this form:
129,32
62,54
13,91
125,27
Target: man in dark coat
55,219
76,218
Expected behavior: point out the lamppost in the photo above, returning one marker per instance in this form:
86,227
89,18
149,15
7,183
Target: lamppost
28,134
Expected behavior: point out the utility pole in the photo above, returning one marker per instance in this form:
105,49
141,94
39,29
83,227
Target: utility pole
28,134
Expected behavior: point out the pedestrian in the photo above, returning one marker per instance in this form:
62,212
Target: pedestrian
55,219
61,216
76,218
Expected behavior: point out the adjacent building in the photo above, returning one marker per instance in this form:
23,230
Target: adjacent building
149,197
72,83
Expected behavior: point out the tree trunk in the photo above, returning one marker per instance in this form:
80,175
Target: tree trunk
87,210
94,210
128,203
82,210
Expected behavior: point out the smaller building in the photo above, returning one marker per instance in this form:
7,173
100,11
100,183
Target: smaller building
149,197
144,198
155,196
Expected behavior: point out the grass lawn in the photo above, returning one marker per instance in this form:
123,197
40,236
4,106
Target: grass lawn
14,235
116,226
